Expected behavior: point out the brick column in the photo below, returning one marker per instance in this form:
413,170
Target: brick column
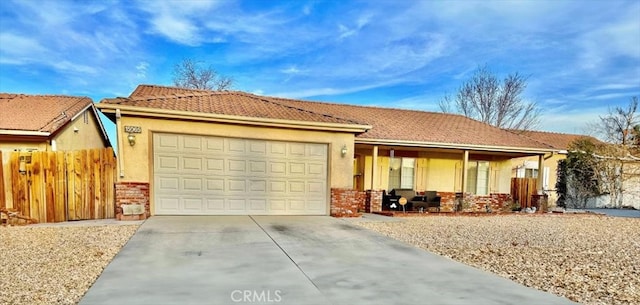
373,201
132,201
345,202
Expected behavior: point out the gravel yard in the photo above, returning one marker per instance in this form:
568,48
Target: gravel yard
588,259
55,264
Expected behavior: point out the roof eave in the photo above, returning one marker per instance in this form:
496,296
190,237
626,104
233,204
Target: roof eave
231,119
11,132
490,148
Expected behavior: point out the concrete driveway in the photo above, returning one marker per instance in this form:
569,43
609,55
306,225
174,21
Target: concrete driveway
289,260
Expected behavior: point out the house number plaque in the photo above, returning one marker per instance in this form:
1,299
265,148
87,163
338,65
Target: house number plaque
132,129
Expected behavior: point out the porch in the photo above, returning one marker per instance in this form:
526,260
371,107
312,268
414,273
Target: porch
469,179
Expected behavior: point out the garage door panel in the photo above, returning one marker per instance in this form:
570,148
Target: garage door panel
278,187
236,204
316,188
167,204
277,168
236,185
257,148
279,205
237,145
192,204
257,186
297,205
215,205
166,163
214,165
236,167
317,151
297,188
297,168
297,149
214,185
192,184
168,184
196,175
192,143
214,145
316,205
277,149
257,205
191,164
166,142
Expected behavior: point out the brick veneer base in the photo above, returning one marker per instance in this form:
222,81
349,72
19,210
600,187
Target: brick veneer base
479,203
132,193
351,203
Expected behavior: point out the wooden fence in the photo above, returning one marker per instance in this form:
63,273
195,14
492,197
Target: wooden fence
60,186
523,189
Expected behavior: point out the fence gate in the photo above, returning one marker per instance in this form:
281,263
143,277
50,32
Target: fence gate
61,186
523,189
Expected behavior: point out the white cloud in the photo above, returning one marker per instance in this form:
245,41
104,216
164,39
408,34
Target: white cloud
141,69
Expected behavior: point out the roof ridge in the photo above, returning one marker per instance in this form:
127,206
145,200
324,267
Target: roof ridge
513,131
64,115
43,95
548,132
369,106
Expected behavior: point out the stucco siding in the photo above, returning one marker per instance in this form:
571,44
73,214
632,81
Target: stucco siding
88,135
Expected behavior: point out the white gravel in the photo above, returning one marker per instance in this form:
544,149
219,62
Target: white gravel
588,259
55,264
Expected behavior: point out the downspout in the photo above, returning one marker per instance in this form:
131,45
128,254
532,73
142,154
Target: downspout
119,141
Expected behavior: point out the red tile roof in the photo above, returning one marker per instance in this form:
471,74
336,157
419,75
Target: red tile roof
220,102
388,123
420,126
44,113
559,141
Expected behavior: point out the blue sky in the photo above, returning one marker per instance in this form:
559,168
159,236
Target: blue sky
581,57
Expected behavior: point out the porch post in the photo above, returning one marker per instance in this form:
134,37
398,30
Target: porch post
465,167
540,173
374,170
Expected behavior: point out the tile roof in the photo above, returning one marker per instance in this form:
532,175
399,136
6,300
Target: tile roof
420,126
388,123
44,113
559,141
232,103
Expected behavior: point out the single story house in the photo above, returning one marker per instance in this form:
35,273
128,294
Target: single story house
44,123
189,152
49,123
528,167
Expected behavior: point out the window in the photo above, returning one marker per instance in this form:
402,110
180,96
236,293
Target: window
478,177
531,173
401,173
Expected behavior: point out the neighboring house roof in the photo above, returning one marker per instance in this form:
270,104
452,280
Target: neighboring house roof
41,115
558,141
387,125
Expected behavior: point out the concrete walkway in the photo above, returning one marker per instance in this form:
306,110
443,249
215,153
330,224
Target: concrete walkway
289,260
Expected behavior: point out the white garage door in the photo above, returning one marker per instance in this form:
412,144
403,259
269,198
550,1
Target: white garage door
199,175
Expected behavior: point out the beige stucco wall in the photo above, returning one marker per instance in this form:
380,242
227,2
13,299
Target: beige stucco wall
88,136
12,146
137,160
437,172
